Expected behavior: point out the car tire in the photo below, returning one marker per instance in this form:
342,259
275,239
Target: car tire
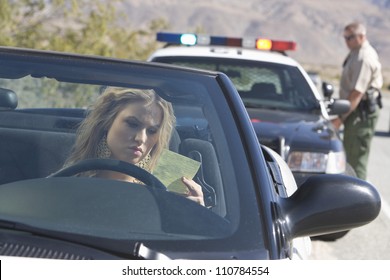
337,235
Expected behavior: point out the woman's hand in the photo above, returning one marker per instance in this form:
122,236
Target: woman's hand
195,192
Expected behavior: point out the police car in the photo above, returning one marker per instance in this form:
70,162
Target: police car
286,108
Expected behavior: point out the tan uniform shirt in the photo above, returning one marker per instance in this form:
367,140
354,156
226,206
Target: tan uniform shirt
362,69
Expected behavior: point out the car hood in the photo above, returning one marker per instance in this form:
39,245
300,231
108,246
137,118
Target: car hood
303,131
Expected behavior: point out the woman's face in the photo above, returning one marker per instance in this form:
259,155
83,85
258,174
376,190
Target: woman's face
134,132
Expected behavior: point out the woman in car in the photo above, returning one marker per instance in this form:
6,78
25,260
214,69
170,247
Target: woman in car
131,125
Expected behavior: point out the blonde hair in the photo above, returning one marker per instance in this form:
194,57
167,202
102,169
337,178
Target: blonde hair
103,113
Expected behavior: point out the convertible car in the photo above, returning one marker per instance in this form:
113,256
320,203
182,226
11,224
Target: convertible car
253,209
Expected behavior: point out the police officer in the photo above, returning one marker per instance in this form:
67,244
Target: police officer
360,83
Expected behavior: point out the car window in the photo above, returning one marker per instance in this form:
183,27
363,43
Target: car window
260,84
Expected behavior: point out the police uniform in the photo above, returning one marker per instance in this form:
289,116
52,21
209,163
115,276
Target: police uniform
361,71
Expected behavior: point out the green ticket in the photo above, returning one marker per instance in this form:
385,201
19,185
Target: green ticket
171,167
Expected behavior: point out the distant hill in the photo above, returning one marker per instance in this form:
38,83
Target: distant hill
315,25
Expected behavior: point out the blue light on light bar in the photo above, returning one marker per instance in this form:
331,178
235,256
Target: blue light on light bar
172,38
218,41
188,39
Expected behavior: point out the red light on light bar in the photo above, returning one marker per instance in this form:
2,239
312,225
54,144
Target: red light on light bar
283,46
266,44
234,42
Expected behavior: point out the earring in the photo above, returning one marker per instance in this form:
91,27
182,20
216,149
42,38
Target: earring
145,162
102,148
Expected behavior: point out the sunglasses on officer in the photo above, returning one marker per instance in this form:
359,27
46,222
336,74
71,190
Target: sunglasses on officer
350,37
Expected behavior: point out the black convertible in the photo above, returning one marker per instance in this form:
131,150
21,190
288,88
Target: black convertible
252,210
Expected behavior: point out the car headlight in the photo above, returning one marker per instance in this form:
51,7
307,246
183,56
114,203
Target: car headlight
331,163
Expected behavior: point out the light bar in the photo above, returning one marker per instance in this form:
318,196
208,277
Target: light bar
190,39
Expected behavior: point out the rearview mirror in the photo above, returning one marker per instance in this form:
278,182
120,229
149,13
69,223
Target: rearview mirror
8,99
327,90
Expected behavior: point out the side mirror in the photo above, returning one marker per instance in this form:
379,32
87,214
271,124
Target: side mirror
329,203
327,90
338,106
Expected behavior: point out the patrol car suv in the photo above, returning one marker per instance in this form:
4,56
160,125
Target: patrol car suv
287,110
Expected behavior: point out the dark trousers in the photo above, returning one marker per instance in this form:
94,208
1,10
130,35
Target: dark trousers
358,134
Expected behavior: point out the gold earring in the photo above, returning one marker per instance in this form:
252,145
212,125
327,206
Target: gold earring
145,162
102,148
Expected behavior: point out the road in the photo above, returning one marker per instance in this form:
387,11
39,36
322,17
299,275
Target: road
372,241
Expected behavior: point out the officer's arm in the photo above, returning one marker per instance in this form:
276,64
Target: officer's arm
354,97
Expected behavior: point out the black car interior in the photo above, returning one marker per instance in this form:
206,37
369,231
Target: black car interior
34,143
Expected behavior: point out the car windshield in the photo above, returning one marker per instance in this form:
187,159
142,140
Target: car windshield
260,84
43,101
